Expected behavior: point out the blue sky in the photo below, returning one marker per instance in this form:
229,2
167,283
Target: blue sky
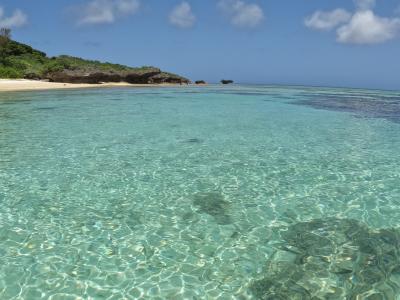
307,42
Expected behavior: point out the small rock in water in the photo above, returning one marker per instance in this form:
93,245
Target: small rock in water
194,141
224,81
46,108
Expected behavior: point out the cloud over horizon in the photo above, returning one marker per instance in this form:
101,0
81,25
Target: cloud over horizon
365,4
322,20
242,14
367,28
361,27
182,16
106,11
17,19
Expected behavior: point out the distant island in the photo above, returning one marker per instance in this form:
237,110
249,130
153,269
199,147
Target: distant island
21,61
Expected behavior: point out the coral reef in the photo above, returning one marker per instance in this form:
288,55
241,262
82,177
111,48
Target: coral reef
333,259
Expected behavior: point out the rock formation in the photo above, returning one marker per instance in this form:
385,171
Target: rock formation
148,76
224,81
22,61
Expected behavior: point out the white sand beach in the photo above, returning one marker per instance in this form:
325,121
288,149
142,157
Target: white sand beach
11,85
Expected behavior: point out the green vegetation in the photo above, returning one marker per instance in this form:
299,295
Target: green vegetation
18,60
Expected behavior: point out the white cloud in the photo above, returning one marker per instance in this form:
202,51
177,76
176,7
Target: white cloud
106,11
127,6
242,14
97,12
322,20
17,19
364,4
367,28
182,16
361,27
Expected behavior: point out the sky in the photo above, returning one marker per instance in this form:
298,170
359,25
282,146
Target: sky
346,43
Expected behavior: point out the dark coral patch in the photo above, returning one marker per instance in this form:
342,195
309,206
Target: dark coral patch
372,106
333,259
46,108
194,141
215,205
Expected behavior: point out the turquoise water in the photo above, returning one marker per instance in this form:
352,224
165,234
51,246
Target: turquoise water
239,192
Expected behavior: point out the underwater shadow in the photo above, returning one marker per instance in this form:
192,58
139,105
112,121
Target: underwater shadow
215,205
373,107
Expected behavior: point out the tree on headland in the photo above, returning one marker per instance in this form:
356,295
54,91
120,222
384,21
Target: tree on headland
5,37
6,32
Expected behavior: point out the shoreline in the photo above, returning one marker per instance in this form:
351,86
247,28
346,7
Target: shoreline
23,85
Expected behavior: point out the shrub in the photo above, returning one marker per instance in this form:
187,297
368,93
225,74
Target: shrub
8,72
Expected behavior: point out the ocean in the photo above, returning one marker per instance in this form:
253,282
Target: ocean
216,192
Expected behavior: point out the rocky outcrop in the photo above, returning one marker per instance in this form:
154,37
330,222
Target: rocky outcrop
32,76
164,77
223,81
25,62
150,75
200,82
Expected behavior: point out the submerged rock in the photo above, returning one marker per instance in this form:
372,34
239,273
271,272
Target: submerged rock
194,141
214,205
333,259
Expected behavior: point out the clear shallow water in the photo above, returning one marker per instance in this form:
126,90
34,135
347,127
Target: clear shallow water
200,193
